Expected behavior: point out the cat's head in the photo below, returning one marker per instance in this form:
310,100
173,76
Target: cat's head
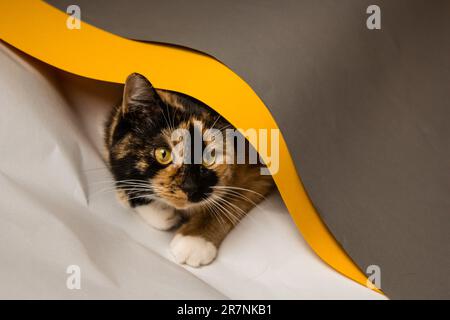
142,156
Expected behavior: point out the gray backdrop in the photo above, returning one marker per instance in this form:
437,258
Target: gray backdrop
364,112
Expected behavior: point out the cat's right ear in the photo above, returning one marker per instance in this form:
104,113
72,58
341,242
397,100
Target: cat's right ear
138,93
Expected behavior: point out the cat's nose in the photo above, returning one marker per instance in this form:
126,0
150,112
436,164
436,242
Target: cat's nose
190,187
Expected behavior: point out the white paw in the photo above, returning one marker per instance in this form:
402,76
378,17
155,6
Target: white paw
192,250
159,216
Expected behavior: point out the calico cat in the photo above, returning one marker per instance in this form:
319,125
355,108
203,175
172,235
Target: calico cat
203,201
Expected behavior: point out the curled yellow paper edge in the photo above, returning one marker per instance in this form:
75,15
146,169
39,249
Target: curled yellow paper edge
39,30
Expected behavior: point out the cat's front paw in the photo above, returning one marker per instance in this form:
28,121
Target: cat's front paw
159,217
194,251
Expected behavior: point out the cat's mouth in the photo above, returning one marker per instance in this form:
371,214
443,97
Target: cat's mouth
183,198
183,202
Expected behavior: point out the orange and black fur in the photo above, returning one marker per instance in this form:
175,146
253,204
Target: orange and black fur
203,201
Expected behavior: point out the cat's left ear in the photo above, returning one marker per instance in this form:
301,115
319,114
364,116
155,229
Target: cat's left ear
138,93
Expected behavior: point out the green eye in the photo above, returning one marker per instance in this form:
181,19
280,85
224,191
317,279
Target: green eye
210,159
163,155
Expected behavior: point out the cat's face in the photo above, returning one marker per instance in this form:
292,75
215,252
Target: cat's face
145,161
